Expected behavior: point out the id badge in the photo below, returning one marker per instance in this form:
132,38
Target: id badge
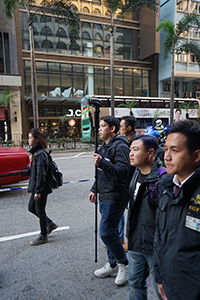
192,223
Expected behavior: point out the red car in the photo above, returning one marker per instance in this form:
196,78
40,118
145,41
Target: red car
14,164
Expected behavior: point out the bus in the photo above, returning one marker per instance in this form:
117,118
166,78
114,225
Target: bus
148,109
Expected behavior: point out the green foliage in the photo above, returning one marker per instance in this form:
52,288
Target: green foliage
129,105
6,98
174,40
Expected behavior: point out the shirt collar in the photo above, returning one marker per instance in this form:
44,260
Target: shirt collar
176,181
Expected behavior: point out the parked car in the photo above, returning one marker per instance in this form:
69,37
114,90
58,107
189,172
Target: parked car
14,164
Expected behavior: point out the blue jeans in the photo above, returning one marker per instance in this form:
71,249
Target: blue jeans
140,265
111,214
121,228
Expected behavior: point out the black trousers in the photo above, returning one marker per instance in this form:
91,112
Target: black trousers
37,207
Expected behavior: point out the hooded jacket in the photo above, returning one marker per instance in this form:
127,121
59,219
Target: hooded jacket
142,212
177,238
38,171
114,170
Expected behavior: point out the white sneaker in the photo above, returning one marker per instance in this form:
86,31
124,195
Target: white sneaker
122,275
106,271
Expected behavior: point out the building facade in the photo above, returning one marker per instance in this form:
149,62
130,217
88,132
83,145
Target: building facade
186,70
67,72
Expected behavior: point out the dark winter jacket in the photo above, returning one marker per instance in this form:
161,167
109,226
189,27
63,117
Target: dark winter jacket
132,138
142,212
114,171
177,238
38,171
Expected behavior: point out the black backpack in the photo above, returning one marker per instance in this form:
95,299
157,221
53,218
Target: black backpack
54,176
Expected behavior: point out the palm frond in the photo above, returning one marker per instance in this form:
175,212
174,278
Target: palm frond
186,22
193,48
66,9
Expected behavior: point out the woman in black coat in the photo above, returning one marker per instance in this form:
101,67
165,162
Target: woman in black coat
38,186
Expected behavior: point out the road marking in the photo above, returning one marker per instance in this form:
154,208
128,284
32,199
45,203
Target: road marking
19,236
69,157
79,154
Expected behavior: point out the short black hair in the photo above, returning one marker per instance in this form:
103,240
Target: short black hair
190,130
130,121
112,121
178,109
148,141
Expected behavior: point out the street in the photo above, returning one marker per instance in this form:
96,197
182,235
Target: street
62,269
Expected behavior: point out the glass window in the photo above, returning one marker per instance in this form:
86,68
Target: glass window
145,87
66,83
40,66
97,12
46,31
42,83
86,10
98,69
128,72
119,53
34,18
88,49
128,86
119,39
75,49
61,32
54,67
89,82
46,44
119,85
54,85
78,80
137,86
77,68
86,25
97,26
98,51
86,35
107,37
128,52
98,37
45,19
66,68
60,21
99,85
61,45
145,73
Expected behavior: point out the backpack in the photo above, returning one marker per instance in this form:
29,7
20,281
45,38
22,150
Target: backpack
54,176
153,193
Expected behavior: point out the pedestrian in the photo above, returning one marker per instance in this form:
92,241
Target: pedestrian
38,186
178,113
160,153
177,238
127,128
141,214
113,164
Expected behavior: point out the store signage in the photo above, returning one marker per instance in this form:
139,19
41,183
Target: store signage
72,122
73,112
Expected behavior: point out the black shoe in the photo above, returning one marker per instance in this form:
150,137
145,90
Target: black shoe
51,226
41,239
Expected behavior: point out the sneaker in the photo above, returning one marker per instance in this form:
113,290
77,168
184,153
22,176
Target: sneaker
106,271
122,275
51,226
41,239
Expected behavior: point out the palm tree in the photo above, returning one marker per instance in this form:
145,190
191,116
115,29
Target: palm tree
63,8
129,105
122,8
5,100
174,42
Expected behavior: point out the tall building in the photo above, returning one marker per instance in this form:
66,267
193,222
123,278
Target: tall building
186,70
66,72
9,77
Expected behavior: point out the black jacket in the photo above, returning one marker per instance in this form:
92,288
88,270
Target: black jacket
142,212
114,171
177,246
38,171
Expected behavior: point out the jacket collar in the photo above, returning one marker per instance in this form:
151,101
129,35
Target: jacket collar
37,147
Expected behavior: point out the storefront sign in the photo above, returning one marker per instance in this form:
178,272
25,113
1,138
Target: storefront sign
72,122
73,112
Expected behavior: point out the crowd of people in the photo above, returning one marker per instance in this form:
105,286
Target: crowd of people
161,190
